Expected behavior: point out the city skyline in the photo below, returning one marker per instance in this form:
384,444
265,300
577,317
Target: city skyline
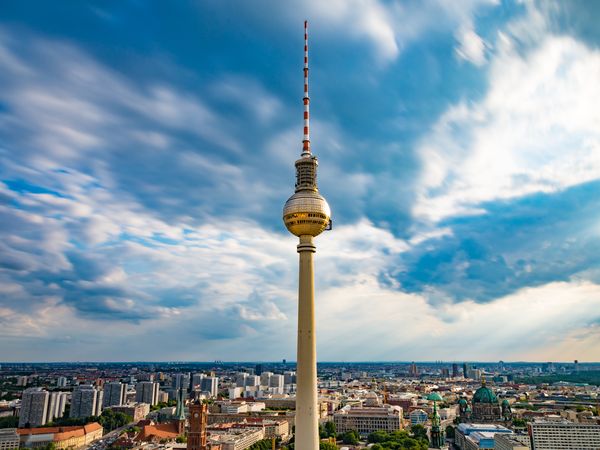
145,156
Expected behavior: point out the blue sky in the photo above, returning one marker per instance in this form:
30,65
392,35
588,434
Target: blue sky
147,148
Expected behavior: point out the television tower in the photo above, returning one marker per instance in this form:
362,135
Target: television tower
306,214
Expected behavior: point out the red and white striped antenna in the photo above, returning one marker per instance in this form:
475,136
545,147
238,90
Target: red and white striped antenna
306,99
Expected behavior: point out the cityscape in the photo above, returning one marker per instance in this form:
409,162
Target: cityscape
435,164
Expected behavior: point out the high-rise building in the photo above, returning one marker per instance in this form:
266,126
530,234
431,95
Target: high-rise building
455,373
197,380
276,381
564,435
252,380
265,378
86,401
306,214
114,394
210,385
34,407
196,439
240,379
180,381
258,369
289,377
56,405
22,381
61,381
146,392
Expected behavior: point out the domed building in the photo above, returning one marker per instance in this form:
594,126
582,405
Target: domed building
485,405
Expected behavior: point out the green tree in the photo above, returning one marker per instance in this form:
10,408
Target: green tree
324,445
378,436
9,422
350,437
330,429
418,431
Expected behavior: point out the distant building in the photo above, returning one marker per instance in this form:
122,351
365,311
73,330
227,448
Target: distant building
146,392
289,377
455,372
86,401
34,407
418,417
61,381
22,381
564,435
210,385
180,381
9,439
138,411
197,380
366,420
265,378
114,394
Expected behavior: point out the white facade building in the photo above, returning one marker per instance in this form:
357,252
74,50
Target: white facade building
564,435
86,401
366,420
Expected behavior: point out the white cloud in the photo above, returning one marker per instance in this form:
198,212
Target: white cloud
470,46
535,130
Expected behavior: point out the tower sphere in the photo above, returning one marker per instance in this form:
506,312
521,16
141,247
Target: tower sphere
306,213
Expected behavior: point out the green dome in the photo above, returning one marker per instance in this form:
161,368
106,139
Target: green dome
505,402
462,401
435,397
484,395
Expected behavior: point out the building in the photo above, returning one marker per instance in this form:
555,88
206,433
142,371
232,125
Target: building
180,381
236,439
146,392
86,401
61,381
470,436
56,406
306,214
511,442
210,385
417,417
114,394
197,430
34,407
455,372
367,419
436,433
563,435
62,437
137,411
276,382
485,406
22,381
9,439
197,380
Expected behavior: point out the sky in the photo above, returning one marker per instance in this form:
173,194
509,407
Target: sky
147,149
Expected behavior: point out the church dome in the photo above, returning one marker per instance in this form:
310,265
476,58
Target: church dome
484,395
434,396
505,402
462,401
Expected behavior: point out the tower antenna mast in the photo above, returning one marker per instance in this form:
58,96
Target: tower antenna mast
306,98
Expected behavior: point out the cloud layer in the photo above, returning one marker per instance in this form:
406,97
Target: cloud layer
142,180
